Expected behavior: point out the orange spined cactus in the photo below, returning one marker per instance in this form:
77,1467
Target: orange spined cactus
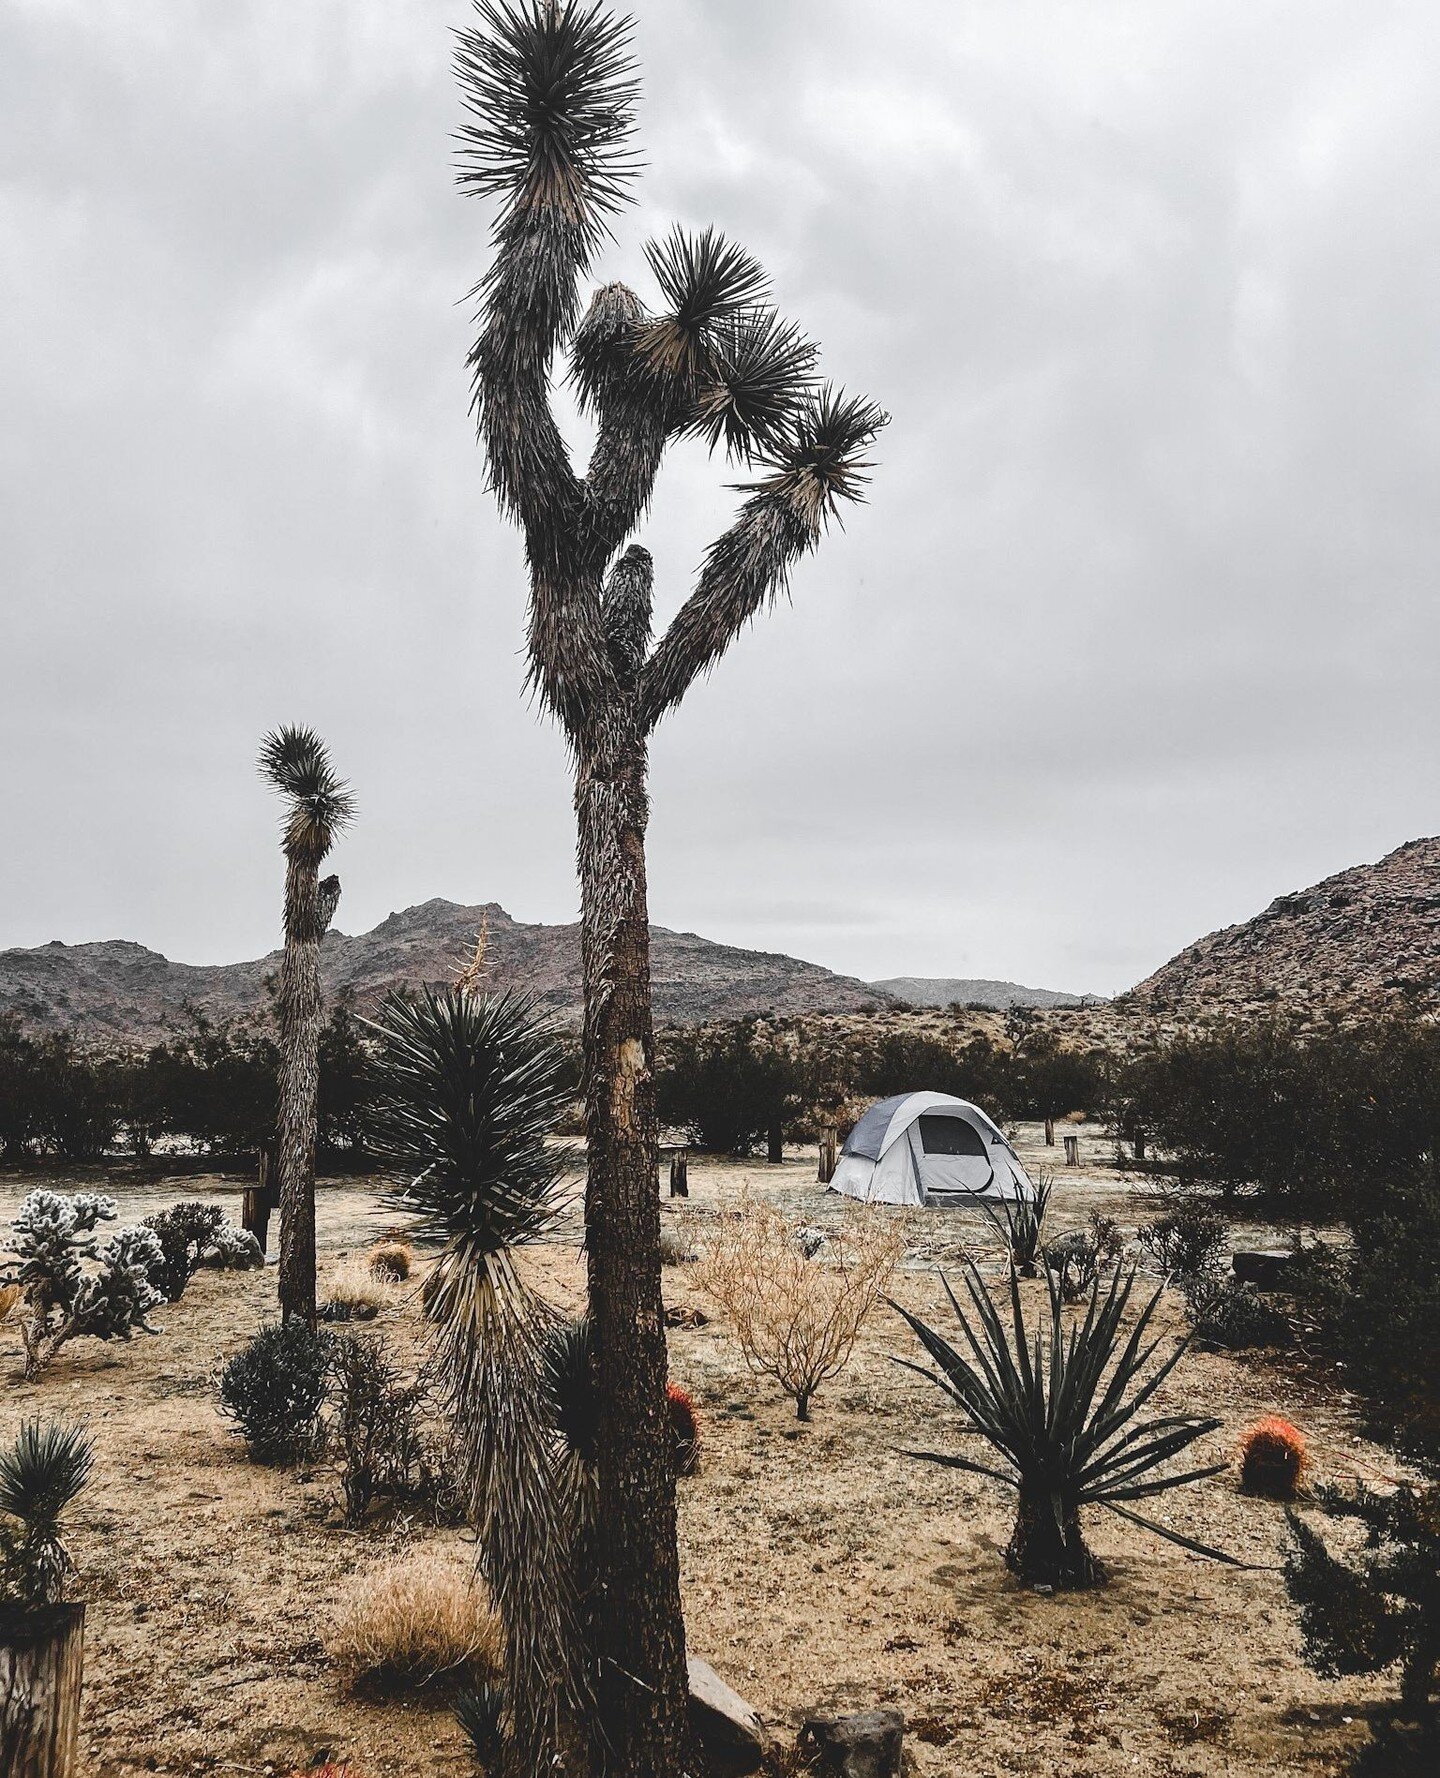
1272,1458
684,1429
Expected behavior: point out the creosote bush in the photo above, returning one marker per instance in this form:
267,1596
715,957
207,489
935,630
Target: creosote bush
274,1389
797,1315
183,1231
1234,1316
1077,1259
1188,1241
376,1433
420,1621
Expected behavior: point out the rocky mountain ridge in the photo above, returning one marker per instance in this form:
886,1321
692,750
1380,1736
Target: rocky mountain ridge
1367,936
925,990
118,992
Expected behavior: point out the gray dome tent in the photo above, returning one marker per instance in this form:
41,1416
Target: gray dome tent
928,1148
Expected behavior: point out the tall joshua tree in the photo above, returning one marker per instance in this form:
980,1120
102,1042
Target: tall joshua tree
318,807
549,89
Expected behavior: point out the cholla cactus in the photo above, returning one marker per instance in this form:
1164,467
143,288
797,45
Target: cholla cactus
232,1249
62,1299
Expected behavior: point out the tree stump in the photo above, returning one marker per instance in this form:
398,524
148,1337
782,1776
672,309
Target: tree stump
775,1144
1049,1132
41,1661
829,1157
1137,1142
680,1174
1072,1151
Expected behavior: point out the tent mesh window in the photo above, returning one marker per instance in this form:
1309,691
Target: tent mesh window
950,1135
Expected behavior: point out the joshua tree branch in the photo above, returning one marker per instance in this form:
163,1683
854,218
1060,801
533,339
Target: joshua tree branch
744,569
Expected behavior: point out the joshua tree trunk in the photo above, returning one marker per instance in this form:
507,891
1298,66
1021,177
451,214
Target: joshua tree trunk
638,1629
309,908
1046,1549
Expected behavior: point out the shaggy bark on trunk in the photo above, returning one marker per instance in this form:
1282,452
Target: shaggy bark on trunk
1046,1548
309,908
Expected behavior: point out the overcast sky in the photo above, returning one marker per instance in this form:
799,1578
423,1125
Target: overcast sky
1137,631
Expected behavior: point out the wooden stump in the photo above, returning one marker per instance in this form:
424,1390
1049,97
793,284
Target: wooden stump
1049,1132
41,1660
680,1174
775,1144
1072,1151
1138,1143
829,1157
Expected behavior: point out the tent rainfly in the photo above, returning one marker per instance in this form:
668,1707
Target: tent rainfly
928,1148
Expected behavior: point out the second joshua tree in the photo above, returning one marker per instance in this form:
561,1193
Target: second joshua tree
549,89
318,807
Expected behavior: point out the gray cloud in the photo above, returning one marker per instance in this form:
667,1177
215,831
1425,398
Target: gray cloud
1137,631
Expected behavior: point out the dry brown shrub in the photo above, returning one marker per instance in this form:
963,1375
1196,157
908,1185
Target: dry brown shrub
357,1288
10,1294
413,1622
797,1316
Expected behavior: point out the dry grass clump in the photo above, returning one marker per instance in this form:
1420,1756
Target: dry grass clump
415,1622
392,1260
798,1307
10,1294
355,1291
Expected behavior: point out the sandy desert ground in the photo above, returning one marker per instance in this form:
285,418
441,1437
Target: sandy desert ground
821,1564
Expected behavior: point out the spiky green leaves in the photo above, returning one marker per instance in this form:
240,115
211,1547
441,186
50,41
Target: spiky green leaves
549,89
41,1475
1061,1410
472,1090
296,762
823,458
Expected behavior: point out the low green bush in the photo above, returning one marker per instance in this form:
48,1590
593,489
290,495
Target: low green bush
274,1388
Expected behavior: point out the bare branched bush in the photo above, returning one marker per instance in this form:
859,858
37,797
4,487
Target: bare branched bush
415,1622
798,1308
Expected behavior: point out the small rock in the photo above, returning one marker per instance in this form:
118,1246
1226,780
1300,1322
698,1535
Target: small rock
730,1732
1263,1267
868,1745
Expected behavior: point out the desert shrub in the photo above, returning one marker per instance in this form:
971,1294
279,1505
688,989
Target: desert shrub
72,1284
10,1295
183,1231
728,1086
1076,1260
1382,1609
376,1433
274,1389
684,1429
418,1621
1066,1439
1272,1458
41,1474
1314,1119
1020,1223
797,1315
676,1247
1234,1316
356,1291
1188,1241
392,1261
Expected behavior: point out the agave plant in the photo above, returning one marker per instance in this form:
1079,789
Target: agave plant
472,1090
1062,1413
40,1476
1020,1223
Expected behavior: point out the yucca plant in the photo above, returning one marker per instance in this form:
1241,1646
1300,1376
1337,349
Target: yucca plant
1020,1223
472,1090
41,1475
1061,1410
318,806
549,90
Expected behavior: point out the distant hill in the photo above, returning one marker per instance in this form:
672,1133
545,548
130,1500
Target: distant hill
919,990
1367,935
119,992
